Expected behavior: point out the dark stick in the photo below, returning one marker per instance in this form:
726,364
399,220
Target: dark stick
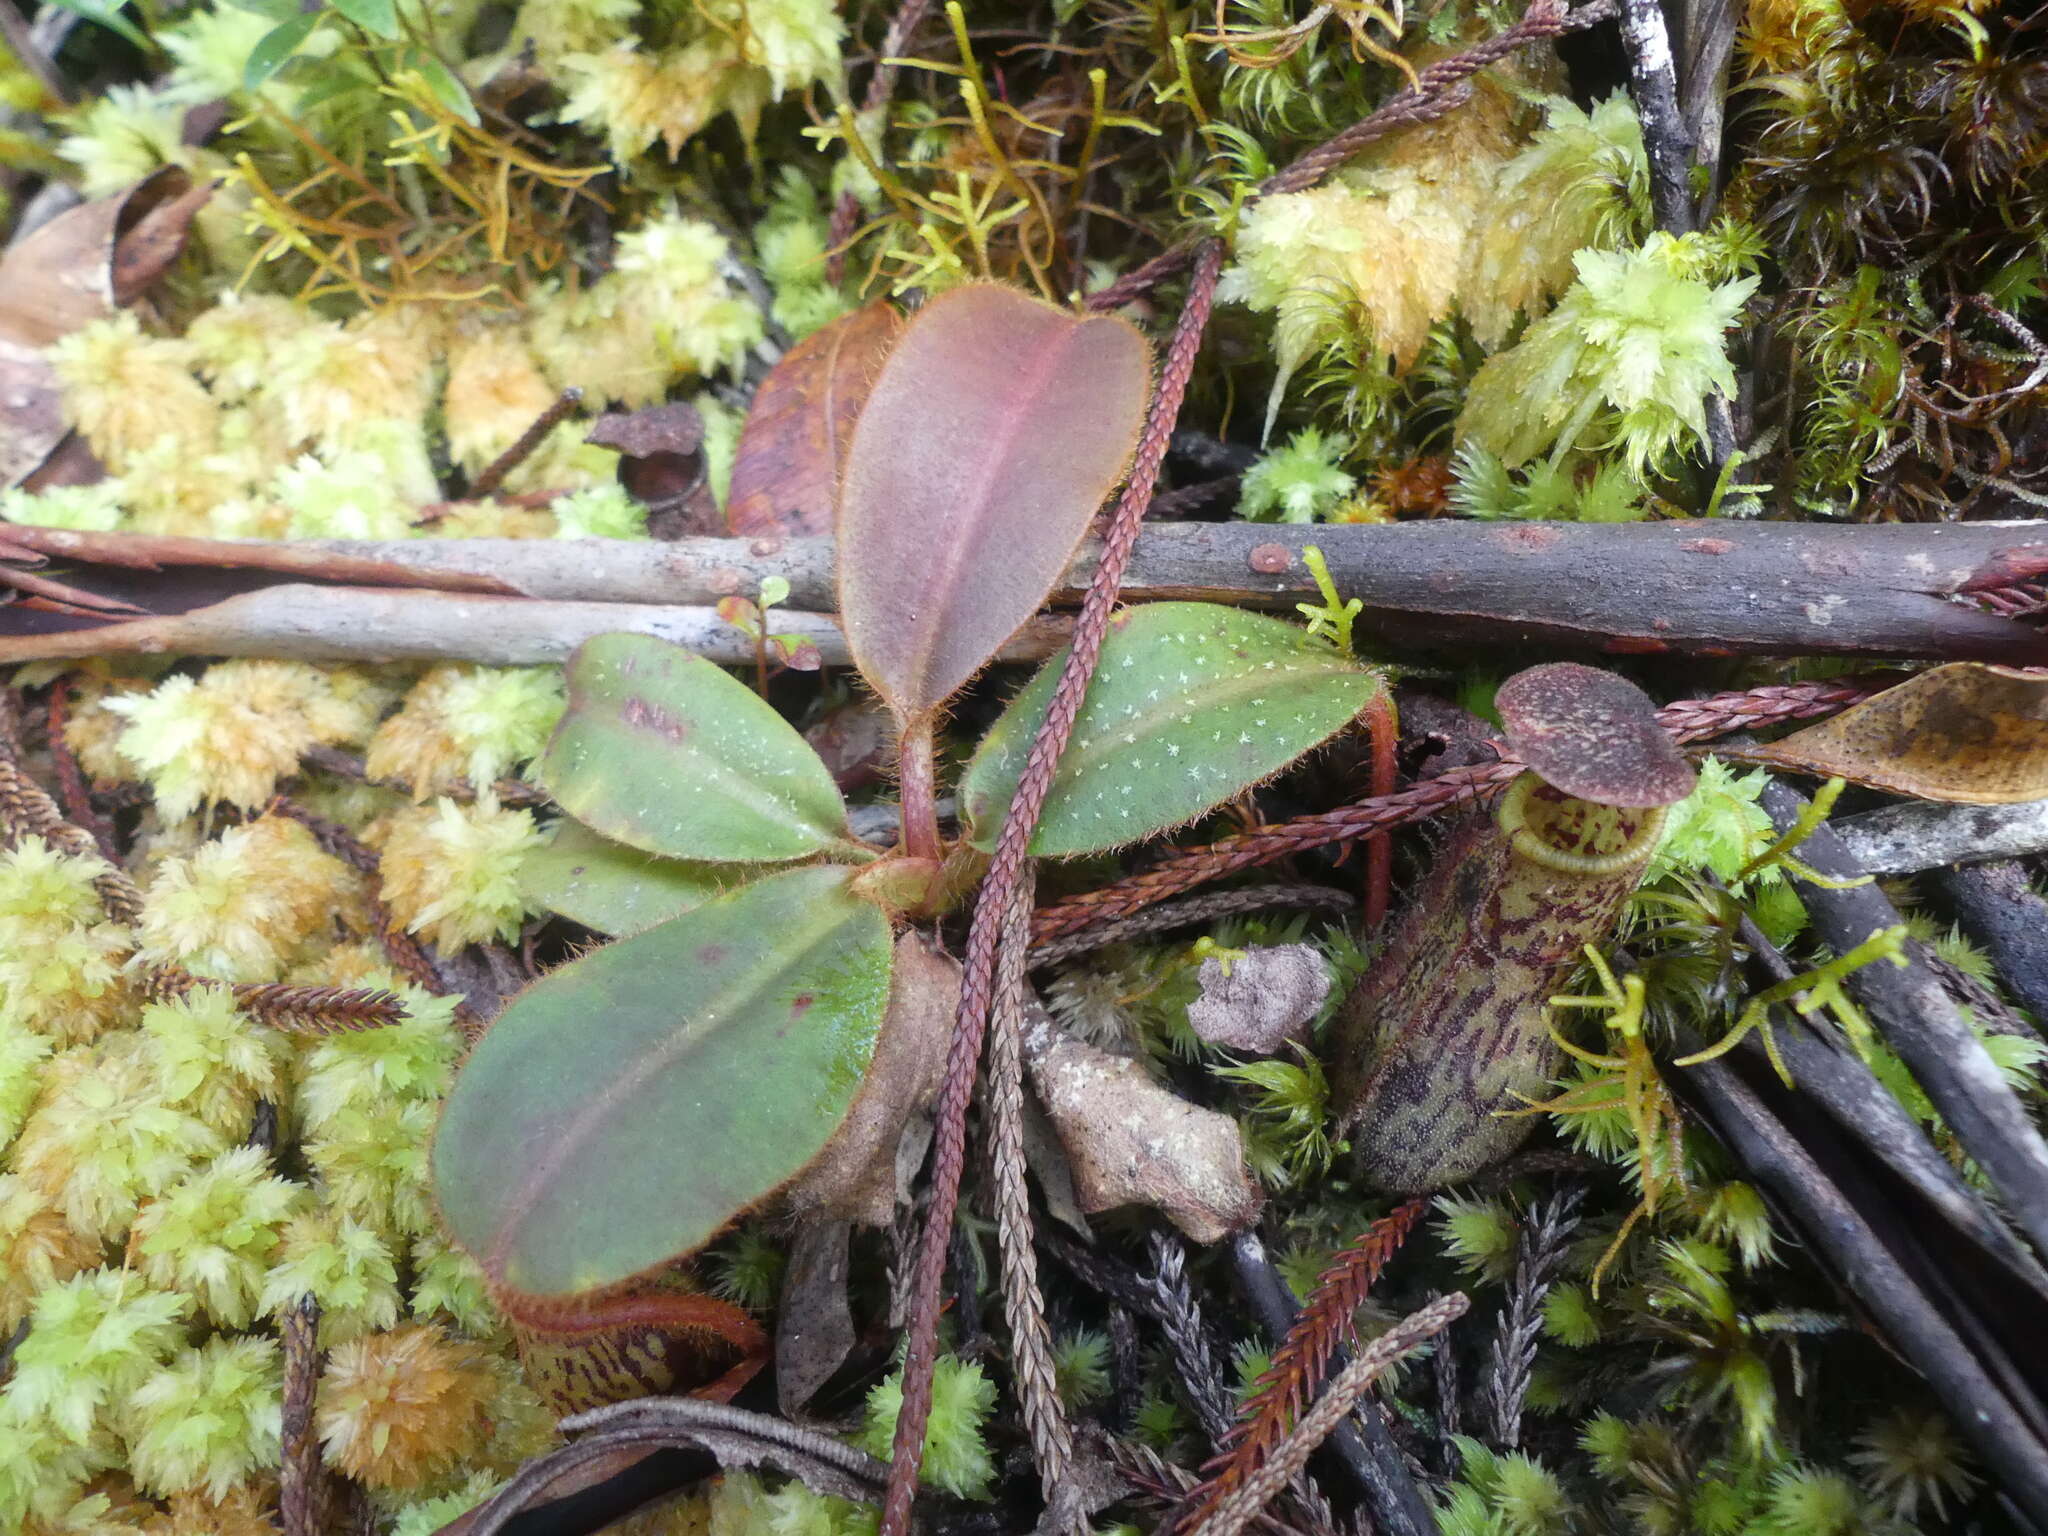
1669,144
1998,908
1978,1406
1362,1447
302,1477
1865,1111
1710,587
29,50
1913,835
1910,1008
1653,81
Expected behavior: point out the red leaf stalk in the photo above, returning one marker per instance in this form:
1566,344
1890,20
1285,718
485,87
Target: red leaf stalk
1382,731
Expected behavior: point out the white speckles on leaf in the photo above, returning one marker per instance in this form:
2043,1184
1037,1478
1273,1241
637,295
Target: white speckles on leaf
1163,708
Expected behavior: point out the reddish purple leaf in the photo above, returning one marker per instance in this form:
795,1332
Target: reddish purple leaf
996,428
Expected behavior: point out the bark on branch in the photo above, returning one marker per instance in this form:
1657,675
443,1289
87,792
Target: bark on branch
1696,587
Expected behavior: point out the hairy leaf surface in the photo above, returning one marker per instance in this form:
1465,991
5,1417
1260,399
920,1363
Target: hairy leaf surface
619,890
1192,703
664,752
631,1103
993,433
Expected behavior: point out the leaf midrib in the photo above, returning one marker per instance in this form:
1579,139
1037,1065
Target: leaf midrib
971,533
747,988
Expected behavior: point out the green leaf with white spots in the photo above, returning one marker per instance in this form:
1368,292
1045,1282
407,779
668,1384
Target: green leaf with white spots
630,1104
664,752
1191,704
619,890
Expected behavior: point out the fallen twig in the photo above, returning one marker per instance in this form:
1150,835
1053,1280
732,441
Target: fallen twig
1667,142
1997,907
1913,835
1364,1447
1836,1080
1909,1293
1704,587
733,1437
307,623
302,1477
493,474
348,765
1303,1358
1911,1010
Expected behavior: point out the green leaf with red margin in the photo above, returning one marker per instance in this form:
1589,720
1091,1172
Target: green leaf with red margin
664,752
630,1104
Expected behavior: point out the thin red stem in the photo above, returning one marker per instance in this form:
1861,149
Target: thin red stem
917,783
1383,731
1004,881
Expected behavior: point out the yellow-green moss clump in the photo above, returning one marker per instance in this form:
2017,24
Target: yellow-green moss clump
152,1244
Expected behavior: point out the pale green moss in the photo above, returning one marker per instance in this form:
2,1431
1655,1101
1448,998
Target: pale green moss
209,1419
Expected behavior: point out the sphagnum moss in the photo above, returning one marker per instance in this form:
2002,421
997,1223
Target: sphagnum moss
308,372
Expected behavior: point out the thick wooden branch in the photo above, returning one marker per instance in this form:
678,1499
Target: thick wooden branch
306,623
1705,588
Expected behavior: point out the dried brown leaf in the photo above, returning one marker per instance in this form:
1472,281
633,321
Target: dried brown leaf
154,222
63,276
856,1177
1969,733
1132,1142
785,475
814,1330
857,740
